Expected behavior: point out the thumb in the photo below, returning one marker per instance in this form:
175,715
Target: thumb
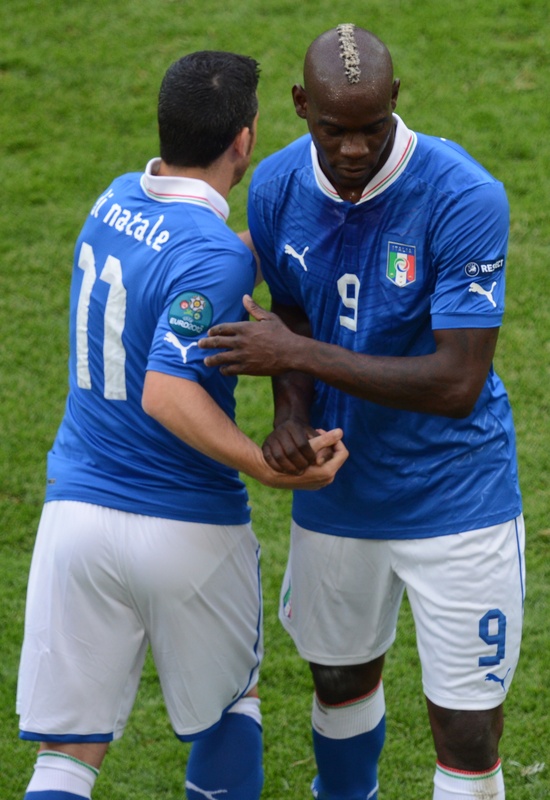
254,309
326,439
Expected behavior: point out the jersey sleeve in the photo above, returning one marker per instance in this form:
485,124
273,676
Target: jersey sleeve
469,249
204,296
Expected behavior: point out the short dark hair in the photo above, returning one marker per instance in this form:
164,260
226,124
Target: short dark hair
205,99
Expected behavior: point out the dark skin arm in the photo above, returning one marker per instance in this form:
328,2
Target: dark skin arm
447,382
287,448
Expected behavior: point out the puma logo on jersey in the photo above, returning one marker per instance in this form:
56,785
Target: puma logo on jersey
173,339
289,250
208,795
492,677
475,287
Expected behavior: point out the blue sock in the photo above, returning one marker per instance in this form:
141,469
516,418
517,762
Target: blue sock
349,767
228,760
52,795
348,748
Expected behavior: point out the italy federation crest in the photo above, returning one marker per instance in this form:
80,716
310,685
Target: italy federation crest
401,266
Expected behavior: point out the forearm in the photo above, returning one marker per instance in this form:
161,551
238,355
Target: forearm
292,397
441,382
293,391
416,384
446,381
188,411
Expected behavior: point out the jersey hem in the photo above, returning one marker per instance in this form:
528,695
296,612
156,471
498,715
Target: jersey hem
408,533
199,516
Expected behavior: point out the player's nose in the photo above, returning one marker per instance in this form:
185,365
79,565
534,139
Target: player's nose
355,147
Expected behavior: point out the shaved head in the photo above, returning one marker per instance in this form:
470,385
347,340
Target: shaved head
348,56
348,99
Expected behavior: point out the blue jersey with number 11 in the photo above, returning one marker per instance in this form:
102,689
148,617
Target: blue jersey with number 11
155,266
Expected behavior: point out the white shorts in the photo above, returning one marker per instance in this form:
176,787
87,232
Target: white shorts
103,585
340,601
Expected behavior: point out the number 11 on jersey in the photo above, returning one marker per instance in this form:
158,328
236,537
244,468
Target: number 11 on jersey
114,354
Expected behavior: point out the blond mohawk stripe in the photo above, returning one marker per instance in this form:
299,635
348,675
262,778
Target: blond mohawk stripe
349,52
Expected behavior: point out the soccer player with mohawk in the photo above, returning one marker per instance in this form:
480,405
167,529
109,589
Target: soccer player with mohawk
385,250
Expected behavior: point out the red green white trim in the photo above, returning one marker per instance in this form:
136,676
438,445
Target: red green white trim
172,189
67,757
354,702
469,776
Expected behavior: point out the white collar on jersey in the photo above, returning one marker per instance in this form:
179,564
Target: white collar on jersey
403,148
172,189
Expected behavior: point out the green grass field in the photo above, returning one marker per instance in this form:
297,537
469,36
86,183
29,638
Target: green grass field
78,88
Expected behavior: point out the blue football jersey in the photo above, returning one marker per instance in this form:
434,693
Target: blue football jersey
424,249
155,266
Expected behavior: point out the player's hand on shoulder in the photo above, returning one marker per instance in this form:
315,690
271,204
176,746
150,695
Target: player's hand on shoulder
248,348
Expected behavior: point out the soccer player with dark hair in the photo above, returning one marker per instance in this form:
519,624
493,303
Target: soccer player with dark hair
385,252
145,536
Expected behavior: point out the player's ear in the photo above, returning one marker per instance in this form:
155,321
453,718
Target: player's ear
243,142
395,93
300,100
246,139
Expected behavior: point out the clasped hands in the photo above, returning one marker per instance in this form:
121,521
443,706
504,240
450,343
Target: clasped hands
266,349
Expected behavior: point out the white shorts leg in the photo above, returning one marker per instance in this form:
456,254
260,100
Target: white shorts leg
467,603
104,583
340,601
340,598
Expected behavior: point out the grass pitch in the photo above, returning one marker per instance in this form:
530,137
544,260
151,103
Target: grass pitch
78,83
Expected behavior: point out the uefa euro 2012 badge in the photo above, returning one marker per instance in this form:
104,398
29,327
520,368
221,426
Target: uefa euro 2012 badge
190,314
401,265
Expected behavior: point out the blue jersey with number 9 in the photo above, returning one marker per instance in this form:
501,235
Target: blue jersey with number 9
424,249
